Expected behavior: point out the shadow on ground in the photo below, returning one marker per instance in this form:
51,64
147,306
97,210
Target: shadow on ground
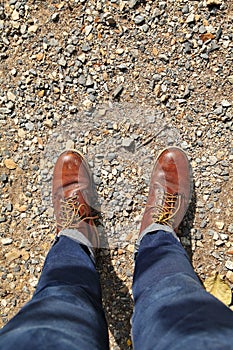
117,301
184,232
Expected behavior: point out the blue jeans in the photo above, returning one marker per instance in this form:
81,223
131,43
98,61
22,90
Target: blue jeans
172,310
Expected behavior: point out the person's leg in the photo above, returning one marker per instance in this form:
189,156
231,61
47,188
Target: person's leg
66,309
172,309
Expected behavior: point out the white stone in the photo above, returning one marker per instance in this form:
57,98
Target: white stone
229,264
15,15
6,241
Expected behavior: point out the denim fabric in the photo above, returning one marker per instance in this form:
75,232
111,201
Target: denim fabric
65,312
172,310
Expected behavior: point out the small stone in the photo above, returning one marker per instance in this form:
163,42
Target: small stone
204,56
88,29
218,110
10,164
12,255
62,62
86,48
2,218
129,144
25,255
215,236
70,144
203,224
22,208
230,228
4,110
164,98
213,160
13,72
188,47
230,79
87,104
219,224
139,19
111,21
48,123
202,29
224,236
213,2
82,80
190,18
229,276
4,178
82,57
229,264
9,207
89,81
29,126
119,51
130,248
219,242
226,103
11,96
163,57
132,3
40,93
145,28
213,47
33,28
70,48
55,17
15,15
185,9
116,93
7,241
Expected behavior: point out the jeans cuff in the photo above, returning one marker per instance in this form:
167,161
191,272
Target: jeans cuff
80,238
150,229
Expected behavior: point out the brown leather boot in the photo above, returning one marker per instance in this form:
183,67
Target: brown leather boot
170,189
73,194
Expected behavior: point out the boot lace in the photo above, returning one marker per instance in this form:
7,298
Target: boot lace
71,211
164,213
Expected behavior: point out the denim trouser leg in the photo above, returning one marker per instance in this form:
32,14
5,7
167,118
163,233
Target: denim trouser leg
172,310
66,309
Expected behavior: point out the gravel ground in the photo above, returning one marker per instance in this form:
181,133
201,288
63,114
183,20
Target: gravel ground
118,80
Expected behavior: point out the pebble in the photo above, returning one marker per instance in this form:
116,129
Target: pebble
213,160
229,265
190,18
82,57
230,79
219,224
6,241
70,144
226,103
213,2
10,164
129,144
117,91
15,15
229,276
13,255
33,29
139,19
88,29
